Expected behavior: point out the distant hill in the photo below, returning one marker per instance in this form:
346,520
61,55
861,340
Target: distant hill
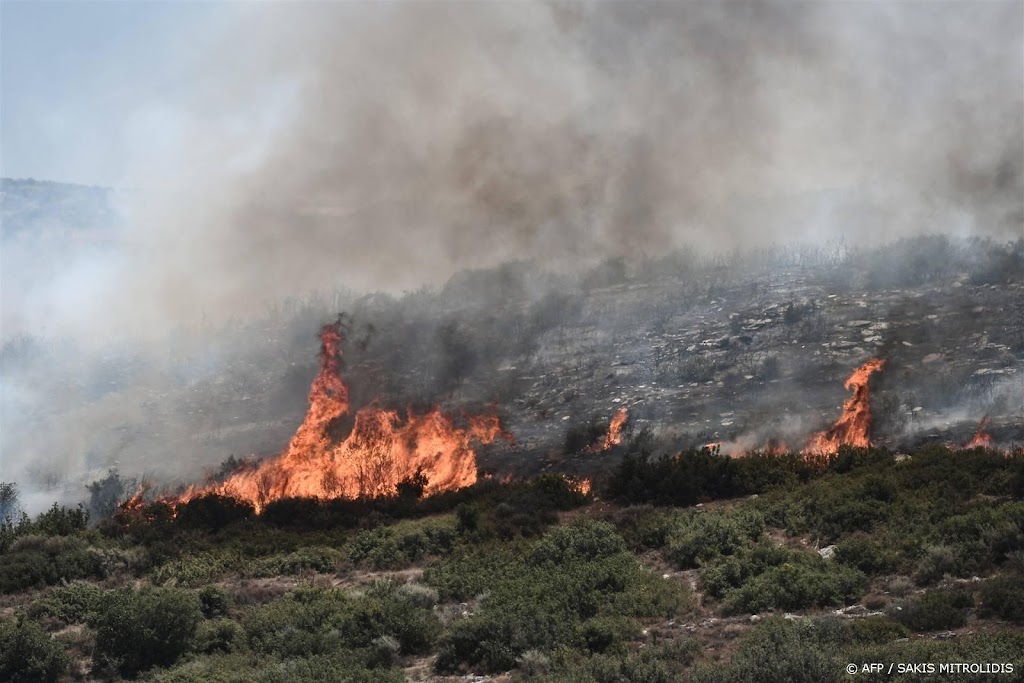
34,208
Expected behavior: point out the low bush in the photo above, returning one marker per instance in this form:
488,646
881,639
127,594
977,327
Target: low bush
307,559
1003,596
219,636
398,546
577,586
196,570
214,602
935,610
777,650
794,586
313,622
876,630
37,561
869,554
70,604
212,512
137,630
937,562
698,537
29,655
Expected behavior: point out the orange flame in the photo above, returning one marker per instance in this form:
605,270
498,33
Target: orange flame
614,435
854,426
580,486
775,447
380,451
981,438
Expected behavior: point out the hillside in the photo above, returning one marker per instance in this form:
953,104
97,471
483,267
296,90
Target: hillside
741,350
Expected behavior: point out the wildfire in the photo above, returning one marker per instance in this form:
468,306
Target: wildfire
614,435
854,426
981,438
581,486
776,447
381,450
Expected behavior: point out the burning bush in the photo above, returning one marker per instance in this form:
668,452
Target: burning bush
381,456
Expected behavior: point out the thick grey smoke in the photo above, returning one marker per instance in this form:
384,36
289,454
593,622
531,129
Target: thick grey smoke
386,145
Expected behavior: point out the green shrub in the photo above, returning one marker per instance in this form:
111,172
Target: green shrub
71,604
698,536
328,669
876,630
584,540
29,655
1004,596
137,630
306,559
642,667
871,555
398,546
195,570
237,667
777,650
37,561
419,595
312,622
723,574
935,564
219,636
577,587
344,666
601,634
794,586
214,601
935,610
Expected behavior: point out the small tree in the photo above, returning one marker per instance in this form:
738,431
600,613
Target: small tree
8,501
107,493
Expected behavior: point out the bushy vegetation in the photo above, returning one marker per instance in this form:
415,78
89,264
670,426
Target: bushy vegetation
578,586
527,577
137,630
1003,596
935,610
29,655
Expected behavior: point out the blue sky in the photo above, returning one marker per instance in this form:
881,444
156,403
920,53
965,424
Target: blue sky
84,83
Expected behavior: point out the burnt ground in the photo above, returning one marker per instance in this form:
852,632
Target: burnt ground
767,359
737,349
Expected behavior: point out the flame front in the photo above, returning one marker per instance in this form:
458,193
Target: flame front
853,428
614,435
380,451
981,438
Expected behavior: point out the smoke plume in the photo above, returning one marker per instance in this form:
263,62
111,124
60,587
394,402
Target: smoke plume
384,146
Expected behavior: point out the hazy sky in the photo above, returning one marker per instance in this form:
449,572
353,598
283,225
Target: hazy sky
81,83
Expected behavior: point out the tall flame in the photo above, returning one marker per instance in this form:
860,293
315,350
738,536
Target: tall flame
853,428
613,437
981,438
380,451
